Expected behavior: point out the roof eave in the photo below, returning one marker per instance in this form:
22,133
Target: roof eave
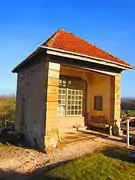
86,58
15,70
76,56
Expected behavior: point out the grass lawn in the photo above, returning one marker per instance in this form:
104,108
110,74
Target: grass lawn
111,164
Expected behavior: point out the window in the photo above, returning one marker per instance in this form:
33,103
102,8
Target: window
62,101
98,103
75,102
70,98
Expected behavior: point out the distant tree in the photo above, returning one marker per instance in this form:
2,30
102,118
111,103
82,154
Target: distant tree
7,110
128,104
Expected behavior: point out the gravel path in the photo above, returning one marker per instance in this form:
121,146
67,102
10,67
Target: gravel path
23,162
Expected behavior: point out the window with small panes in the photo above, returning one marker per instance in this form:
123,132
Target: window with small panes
70,96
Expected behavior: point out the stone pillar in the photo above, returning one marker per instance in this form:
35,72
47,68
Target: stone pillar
52,82
116,103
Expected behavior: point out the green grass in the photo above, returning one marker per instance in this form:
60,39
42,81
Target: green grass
107,165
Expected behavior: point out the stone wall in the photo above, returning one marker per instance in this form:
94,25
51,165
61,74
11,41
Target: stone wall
109,88
116,85
100,86
30,86
69,123
51,88
38,84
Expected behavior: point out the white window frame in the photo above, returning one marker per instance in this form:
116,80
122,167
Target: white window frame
78,109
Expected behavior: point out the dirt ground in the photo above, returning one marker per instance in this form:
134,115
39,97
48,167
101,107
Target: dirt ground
19,163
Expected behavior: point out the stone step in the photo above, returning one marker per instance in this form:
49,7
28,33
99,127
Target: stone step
81,128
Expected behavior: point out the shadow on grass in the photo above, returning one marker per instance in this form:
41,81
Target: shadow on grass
46,177
12,175
42,173
122,154
38,174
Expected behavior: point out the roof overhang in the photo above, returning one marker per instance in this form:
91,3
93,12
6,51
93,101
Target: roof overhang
68,54
73,55
15,70
92,70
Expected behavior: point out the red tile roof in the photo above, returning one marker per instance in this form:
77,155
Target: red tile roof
64,40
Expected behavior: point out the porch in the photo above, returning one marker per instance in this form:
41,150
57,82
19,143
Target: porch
83,97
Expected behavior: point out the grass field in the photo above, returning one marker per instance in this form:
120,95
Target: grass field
106,165
128,111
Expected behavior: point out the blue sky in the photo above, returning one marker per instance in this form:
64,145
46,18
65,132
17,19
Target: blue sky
25,24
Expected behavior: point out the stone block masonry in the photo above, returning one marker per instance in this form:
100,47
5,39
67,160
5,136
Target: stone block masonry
51,86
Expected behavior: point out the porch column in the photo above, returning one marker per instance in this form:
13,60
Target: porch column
116,102
52,82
